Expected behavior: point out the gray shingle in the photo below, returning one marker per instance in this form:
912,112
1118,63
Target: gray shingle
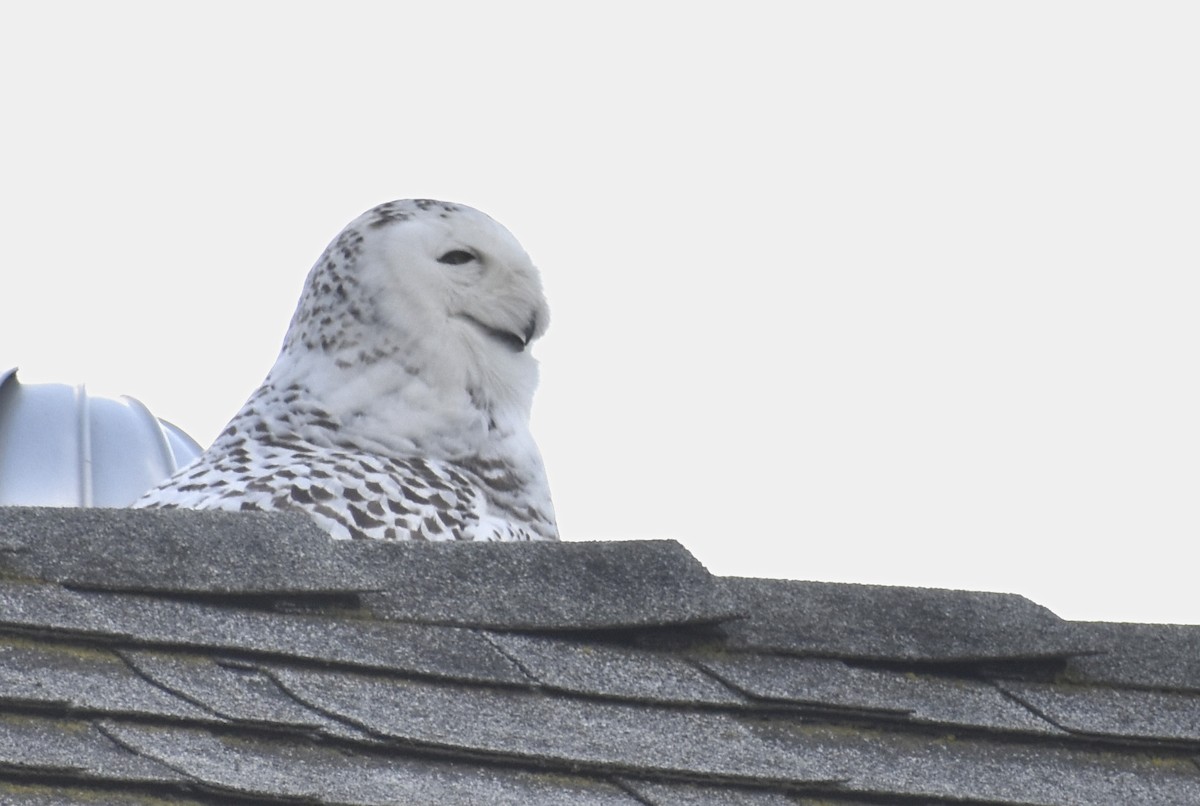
51,746
575,585
548,586
613,671
657,793
235,691
173,551
889,623
1145,655
551,586
53,795
1110,712
538,728
887,764
440,651
80,678
261,767
922,697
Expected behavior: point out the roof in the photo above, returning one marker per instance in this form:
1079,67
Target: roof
152,657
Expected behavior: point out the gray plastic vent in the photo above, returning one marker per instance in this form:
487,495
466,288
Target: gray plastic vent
61,446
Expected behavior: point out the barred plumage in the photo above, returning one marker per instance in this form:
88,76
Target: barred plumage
399,405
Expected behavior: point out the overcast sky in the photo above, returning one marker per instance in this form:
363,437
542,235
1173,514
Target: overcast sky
899,293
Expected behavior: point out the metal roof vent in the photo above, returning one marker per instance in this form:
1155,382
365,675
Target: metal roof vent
60,446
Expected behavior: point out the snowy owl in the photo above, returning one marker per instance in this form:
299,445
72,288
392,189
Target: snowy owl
399,405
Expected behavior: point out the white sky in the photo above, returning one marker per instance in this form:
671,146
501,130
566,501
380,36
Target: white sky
898,293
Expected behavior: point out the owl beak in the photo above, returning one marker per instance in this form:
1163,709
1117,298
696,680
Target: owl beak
530,329
515,342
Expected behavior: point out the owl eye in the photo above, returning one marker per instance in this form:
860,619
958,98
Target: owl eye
456,257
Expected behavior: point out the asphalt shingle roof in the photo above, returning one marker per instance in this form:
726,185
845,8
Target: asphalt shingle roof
152,657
